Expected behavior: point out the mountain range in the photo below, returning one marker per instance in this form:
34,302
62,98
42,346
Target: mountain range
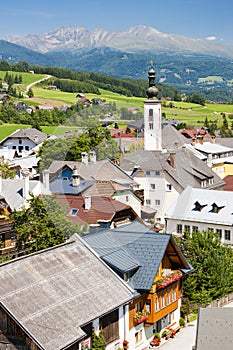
186,63
138,38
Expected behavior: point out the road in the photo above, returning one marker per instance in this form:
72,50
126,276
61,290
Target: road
36,82
184,339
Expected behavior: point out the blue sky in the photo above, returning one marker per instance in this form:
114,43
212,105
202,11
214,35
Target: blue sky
200,19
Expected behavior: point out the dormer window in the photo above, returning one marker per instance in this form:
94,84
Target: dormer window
215,208
204,183
198,206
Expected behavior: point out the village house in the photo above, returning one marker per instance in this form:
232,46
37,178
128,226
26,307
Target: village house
153,266
57,298
202,210
23,140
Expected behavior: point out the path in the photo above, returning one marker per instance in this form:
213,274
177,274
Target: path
36,82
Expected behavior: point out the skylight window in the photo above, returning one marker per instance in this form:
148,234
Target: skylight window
73,212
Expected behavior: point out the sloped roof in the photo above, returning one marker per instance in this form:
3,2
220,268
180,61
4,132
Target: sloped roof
32,134
104,170
102,208
134,247
52,293
65,186
172,138
213,148
12,191
188,170
214,328
104,188
183,208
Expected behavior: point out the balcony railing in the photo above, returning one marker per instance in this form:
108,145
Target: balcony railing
168,279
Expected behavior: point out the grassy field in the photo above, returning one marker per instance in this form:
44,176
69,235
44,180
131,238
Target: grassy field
189,113
27,78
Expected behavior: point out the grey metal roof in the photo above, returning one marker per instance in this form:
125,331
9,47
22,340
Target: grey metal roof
172,138
182,209
64,186
132,246
214,328
52,293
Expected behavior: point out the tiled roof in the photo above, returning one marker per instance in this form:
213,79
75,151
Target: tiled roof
134,247
102,208
101,170
188,169
53,293
229,183
33,134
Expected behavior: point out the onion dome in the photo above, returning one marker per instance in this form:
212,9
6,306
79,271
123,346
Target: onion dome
152,91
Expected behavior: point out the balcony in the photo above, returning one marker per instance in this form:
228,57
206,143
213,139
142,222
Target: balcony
168,279
141,317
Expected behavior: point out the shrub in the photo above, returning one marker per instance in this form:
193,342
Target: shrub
181,322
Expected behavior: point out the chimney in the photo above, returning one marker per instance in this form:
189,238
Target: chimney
0,181
87,202
212,139
209,160
25,174
172,159
194,140
176,144
84,157
75,177
184,148
93,157
45,180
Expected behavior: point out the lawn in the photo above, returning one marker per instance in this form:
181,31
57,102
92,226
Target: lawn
27,78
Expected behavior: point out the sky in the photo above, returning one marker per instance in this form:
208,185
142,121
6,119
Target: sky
199,19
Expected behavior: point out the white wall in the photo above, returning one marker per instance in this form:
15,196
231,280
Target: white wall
171,227
132,201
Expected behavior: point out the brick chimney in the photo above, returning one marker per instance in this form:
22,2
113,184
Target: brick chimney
172,159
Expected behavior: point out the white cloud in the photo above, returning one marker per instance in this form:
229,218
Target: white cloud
211,38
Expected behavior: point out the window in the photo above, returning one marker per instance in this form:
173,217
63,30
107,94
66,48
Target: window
126,276
157,202
168,298
73,212
147,172
151,112
174,294
139,307
187,228
27,148
215,208
194,229
148,306
148,201
126,198
219,232
227,234
20,142
152,186
163,301
20,148
157,308
151,126
13,147
204,183
179,228
157,172
169,187
198,206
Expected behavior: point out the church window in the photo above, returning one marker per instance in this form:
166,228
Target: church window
151,126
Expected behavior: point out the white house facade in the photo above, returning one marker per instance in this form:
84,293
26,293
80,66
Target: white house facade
202,210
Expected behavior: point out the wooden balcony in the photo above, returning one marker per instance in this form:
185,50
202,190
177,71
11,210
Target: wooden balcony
168,279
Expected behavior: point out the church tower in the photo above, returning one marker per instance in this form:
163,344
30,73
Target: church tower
152,116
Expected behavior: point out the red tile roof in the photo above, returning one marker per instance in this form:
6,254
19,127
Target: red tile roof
102,208
229,183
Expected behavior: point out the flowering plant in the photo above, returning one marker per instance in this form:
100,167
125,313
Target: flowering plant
168,279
